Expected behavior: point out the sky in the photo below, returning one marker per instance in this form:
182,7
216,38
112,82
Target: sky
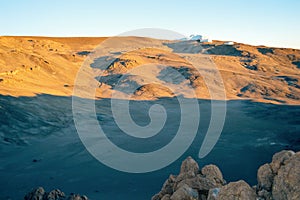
257,22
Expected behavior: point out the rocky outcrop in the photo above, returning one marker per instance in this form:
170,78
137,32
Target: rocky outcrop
191,183
40,194
278,180
239,190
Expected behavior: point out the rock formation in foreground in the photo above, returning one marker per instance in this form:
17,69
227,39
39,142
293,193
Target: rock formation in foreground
278,180
40,194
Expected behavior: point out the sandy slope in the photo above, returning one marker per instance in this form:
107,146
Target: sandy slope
32,65
43,65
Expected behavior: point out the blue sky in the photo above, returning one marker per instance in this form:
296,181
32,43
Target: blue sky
266,22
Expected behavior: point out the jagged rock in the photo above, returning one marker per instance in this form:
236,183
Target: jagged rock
185,193
168,185
239,190
55,195
213,173
286,185
199,182
40,194
279,159
185,175
36,194
191,180
188,170
265,177
189,165
278,180
166,189
210,177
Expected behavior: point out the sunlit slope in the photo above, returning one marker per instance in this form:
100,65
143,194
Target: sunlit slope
43,65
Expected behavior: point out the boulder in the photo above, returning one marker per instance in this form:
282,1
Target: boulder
35,194
40,194
199,182
239,190
213,173
185,193
189,165
55,195
278,180
167,188
279,159
286,185
191,183
265,177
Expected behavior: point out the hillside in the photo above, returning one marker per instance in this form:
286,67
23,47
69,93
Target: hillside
43,65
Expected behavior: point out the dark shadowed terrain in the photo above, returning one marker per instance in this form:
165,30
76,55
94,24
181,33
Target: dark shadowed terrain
40,146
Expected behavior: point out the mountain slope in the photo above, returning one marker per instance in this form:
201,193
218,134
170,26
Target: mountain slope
36,65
